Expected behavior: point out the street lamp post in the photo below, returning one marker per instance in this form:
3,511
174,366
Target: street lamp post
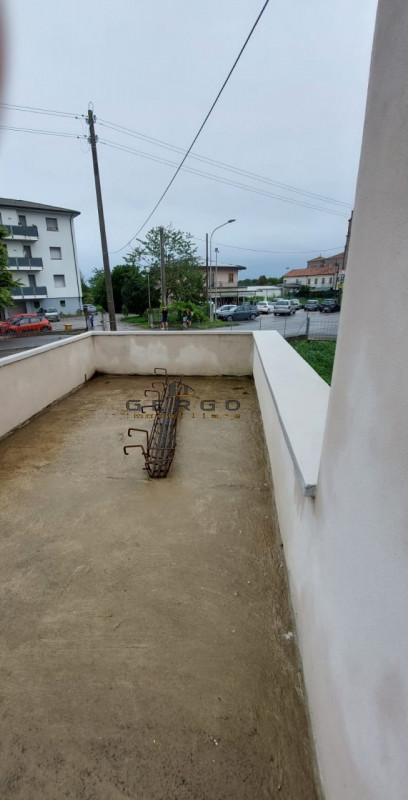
147,271
216,277
209,275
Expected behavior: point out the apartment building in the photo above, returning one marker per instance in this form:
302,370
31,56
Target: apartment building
42,256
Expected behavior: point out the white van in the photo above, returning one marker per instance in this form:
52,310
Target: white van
283,307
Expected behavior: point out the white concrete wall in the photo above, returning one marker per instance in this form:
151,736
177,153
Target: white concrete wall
181,352
29,382
293,400
347,549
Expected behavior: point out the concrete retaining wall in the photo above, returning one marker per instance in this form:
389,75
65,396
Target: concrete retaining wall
29,382
182,353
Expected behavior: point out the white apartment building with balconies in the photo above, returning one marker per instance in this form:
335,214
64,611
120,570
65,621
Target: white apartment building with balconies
42,256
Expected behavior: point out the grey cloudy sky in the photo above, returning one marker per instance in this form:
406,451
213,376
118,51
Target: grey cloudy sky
292,113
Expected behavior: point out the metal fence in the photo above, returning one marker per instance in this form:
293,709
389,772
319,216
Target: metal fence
313,326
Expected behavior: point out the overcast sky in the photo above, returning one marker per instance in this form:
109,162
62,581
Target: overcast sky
292,113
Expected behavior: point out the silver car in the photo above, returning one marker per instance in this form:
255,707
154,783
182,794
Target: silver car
52,314
283,307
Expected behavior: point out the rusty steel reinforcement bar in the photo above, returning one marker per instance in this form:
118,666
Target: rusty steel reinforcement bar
158,452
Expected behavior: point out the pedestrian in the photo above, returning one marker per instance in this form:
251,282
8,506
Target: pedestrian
165,319
91,320
188,314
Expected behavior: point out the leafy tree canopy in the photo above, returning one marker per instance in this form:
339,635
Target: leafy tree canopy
261,281
7,281
184,282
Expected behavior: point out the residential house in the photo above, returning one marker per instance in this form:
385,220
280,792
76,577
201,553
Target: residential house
321,274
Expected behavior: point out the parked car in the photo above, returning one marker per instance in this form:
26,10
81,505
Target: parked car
52,314
245,311
283,307
295,304
311,305
28,324
5,323
263,307
329,306
224,309
271,306
90,308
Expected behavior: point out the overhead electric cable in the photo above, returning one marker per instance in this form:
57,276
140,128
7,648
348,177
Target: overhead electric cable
218,179
275,252
160,143
41,131
200,128
221,164
33,110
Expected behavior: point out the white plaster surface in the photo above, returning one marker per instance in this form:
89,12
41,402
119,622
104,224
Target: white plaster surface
347,549
300,398
181,352
29,382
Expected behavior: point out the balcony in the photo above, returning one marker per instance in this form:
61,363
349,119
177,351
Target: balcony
29,292
25,264
26,233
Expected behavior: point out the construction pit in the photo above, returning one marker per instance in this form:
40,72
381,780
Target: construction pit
148,647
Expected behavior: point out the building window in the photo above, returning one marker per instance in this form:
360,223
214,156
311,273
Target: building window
22,220
62,303
55,253
59,281
323,280
52,223
230,277
308,281
315,281
330,280
27,251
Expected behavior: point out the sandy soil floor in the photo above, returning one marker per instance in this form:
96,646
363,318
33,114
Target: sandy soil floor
145,629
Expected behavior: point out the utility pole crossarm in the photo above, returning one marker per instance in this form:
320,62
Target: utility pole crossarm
106,268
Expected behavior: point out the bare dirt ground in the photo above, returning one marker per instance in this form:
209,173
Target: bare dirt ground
143,647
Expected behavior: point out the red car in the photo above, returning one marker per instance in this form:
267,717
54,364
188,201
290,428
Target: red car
26,323
5,323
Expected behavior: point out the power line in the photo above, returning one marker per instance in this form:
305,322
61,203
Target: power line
221,164
33,110
275,252
41,131
218,179
160,143
200,128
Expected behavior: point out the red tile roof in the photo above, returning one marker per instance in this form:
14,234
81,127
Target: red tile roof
307,273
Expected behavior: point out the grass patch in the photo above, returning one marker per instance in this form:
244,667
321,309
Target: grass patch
133,320
174,324
320,355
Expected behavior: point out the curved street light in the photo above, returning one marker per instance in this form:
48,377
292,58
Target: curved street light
228,222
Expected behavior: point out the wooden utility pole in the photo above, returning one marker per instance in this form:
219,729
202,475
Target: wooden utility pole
108,278
162,268
346,249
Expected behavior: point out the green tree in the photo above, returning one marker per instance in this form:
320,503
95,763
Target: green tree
97,287
7,281
184,282
87,296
